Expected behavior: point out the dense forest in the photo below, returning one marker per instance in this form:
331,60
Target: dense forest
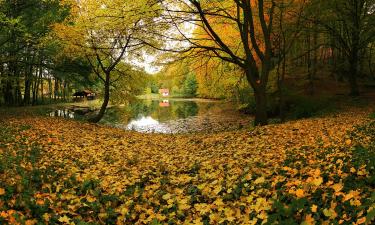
252,52
187,112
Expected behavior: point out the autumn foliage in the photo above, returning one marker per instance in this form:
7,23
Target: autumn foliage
311,171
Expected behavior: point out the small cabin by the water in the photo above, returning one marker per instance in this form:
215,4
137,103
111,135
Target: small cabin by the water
85,94
164,92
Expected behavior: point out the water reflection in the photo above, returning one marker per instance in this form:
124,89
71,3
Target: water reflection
170,116
164,103
147,125
176,116
65,113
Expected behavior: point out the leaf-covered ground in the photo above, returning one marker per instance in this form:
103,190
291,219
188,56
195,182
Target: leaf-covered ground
312,171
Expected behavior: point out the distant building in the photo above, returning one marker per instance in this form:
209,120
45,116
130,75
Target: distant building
85,94
164,92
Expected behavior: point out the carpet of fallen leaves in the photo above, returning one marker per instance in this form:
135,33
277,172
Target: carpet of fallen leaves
311,171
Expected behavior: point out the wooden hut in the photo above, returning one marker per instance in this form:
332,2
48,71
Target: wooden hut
85,94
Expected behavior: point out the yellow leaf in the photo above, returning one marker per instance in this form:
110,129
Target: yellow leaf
124,210
337,187
229,214
317,173
40,202
215,218
201,186
170,203
300,193
31,222
183,205
167,196
361,220
4,214
348,197
160,217
64,219
2,191
90,199
219,202
46,217
309,220
317,181
348,142
330,213
314,208
202,208
259,180
217,189
327,212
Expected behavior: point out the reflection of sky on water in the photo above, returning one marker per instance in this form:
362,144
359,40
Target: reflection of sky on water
62,113
148,125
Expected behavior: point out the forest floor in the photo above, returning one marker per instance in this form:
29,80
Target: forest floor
317,170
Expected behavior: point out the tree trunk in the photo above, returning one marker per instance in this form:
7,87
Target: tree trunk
50,88
42,87
27,94
56,89
353,65
8,93
103,108
282,106
261,107
353,71
370,62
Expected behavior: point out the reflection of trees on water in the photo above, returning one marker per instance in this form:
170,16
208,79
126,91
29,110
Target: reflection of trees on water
125,114
186,109
151,108
176,110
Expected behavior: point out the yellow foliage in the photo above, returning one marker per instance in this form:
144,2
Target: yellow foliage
197,176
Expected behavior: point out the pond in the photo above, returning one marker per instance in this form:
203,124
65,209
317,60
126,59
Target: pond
169,116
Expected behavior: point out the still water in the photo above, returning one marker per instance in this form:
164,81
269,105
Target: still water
171,116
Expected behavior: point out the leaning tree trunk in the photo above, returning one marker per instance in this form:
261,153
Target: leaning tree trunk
103,108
